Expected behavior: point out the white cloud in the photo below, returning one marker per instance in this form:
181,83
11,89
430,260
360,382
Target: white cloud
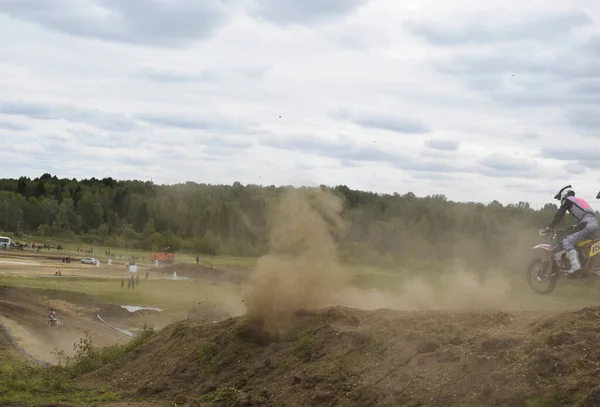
488,100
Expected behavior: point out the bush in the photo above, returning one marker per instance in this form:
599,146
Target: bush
92,239
114,241
25,382
129,234
89,358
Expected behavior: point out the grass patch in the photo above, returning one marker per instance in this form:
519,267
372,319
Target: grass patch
26,382
153,292
207,353
8,352
212,358
227,395
303,346
551,401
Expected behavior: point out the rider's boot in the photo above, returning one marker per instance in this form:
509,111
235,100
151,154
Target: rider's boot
574,261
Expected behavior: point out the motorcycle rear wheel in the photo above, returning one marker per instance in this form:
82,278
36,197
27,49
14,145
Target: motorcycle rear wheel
534,280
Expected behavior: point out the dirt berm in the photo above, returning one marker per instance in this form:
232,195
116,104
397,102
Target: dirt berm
347,357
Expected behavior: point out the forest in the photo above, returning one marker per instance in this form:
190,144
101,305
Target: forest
390,230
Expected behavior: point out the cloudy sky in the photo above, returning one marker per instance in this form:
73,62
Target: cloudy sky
478,100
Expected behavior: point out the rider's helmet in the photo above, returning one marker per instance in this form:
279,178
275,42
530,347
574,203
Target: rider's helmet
564,193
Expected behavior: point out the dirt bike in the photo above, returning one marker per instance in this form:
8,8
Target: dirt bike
555,262
54,321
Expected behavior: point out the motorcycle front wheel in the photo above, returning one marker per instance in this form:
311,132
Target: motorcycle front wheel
537,280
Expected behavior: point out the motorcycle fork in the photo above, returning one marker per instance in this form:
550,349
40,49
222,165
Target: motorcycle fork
551,265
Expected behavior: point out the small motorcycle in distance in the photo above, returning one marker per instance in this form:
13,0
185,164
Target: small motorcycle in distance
53,321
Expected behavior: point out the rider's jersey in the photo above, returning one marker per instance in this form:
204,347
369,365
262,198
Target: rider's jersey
579,207
576,206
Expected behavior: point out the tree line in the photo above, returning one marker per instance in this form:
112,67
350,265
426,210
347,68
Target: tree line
386,229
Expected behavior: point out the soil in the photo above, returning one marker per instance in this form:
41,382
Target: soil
121,404
348,357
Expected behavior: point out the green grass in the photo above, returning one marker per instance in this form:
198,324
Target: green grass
172,296
226,395
89,358
8,353
303,346
213,358
550,401
33,384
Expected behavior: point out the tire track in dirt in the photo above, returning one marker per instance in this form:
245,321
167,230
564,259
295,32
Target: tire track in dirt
24,316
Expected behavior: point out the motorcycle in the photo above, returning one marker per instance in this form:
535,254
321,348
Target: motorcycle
53,321
555,263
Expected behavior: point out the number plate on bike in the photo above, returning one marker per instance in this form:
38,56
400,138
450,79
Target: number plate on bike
595,249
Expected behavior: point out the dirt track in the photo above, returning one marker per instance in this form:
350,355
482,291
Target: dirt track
24,313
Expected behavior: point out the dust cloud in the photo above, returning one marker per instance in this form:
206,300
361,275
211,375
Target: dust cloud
455,289
301,270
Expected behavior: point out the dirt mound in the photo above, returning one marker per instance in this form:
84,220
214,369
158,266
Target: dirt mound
124,404
348,357
236,275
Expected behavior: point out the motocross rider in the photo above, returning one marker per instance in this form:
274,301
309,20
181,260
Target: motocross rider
586,228
52,315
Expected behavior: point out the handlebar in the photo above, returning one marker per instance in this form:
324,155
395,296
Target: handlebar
545,232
